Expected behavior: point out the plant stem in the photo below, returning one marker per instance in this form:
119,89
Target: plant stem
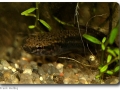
37,14
110,28
110,22
102,57
116,58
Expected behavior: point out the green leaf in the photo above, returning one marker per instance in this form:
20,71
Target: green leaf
92,39
109,72
61,22
103,40
97,76
117,68
99,67
109,50
103,46
117,51
104,68
31,26
109,58
28,11
113,35
33,15
45,24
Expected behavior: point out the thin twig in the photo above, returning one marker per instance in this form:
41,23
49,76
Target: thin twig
77,17
87,25
92,18
37,13
77,61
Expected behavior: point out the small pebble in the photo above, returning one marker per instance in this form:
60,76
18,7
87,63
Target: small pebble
45,67
50,82
34,65
40,71
6,68
68,73
115,81
22,63
7,75
1,67
13,69
14,79
9,67
60,67
37,81
66,80
26,56
61,74
4,63
41,78
83,80
92,58
53,70
27,71
25,79
2,82
16,65
1,77
50,64
75,70
35,76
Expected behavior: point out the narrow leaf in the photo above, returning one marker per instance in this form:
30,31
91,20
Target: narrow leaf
45,24
117,68
117,51
109,58
103,46
97,76
92,39
31,26
113,35
104,68
61,22
33,15
103,40
109,72
26,12
109,50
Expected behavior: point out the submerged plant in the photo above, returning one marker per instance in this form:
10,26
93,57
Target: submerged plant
29,12
112,52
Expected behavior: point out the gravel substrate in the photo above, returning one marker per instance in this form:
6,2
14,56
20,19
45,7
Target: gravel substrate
23,69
